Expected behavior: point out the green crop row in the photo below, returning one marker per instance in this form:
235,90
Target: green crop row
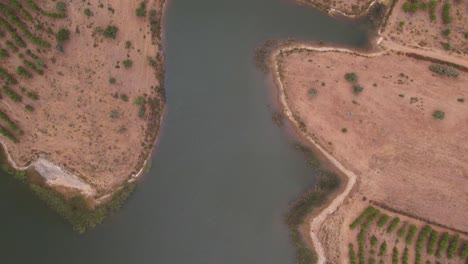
464,254
454,245
446,18
432,8
411,233
383,220
11,124
404,258
8,134
33,67
7,77
34,6
18,40
352,254
395,255
23,72
393,224
432,242
21,10
443,244
361,217
12,17
423,236
13,95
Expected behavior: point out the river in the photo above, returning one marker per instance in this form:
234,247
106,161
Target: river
223,173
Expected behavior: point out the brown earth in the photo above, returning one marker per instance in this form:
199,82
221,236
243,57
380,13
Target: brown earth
416,30
403,157
80,121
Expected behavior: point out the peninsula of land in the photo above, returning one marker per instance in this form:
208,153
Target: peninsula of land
394,121
82,94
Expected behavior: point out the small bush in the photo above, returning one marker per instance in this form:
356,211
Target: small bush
444,70
446,45
357,89
395,255
23,72
110,32
141,11
374,241
361,217
351,77
411,233
112,80
4,53
87,12
454,245
124,97
127,63
29,108
114,114
383,220
461,100
63,35
443,245
446,18
438,115
446,32
344,130
313,92
128,44
432,242
383,249
393,224
60,6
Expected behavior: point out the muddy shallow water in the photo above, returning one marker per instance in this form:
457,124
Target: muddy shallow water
223,173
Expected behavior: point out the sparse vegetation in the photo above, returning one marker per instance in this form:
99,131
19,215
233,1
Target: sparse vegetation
141,10
438,114
357,89
112,80
446,17
87,12
127,63
383,220
60,6
110,32
444,70
361,217
393,224
446,32
63,35
351,77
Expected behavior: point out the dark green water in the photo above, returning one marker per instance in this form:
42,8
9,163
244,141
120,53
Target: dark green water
223,173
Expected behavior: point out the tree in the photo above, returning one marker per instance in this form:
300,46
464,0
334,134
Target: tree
110,31
63,35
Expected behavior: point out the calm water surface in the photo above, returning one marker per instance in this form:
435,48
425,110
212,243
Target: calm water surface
223,173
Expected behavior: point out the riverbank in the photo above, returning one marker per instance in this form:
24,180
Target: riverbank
304,126
84,159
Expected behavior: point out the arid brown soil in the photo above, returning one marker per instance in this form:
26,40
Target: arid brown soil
387,134
417,30
86,118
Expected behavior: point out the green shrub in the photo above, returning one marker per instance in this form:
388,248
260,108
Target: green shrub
446,18
60,6
374,241
464,253
13,95
361,217
357,89
110,32
351,77
33,96
112,80
402,231
432,8
12,125
313,92
124,97
461,100
87,12
63,35
444,70
446,32
443,245
127,63
383,220
29,108
411,233
128,44
23,72
351,254
7,77
344,130
395,255
393,225
4,53
11,46
454,246
383,249
446,45
21,9
7,134
405,256
438,114
141,11
432,242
